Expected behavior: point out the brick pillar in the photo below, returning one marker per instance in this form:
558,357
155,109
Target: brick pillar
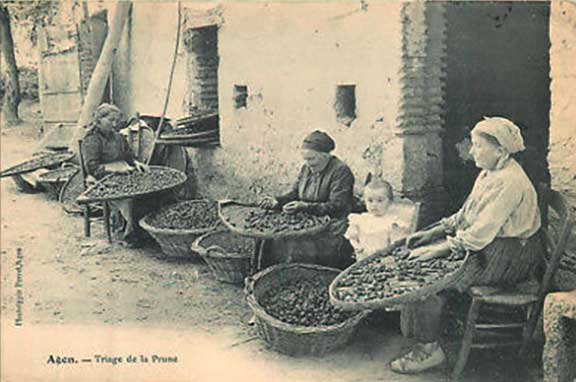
420,118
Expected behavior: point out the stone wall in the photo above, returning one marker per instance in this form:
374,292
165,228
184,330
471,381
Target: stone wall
291,58
563,70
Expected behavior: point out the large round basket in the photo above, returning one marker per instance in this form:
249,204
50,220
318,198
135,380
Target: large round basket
227,254
430,288
176,242
54,180
291,339
44,160
71,190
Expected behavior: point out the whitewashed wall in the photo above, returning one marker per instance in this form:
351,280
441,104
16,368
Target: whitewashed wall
291,57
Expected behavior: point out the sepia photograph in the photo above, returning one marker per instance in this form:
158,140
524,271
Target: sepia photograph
288,191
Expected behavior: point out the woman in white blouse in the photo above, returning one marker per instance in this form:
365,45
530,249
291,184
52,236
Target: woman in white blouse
497,225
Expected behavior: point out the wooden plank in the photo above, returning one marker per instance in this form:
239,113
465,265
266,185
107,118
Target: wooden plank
62,107
60,72
102,70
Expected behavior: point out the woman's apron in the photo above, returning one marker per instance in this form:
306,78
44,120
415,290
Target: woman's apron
330,249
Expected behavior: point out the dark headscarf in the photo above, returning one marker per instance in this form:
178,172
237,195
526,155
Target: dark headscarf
319,141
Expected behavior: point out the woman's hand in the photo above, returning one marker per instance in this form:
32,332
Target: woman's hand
268,202
430,252
418,239
141,167
421,238
119,167
293,207
90,181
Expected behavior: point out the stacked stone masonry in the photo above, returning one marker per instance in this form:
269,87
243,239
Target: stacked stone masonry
422,105
202,48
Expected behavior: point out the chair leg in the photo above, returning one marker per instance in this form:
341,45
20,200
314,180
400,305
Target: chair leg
87,221
529,328
467,339
255,260
106,211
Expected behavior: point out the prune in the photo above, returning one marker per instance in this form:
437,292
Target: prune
302,302
276,222
135,183
392,274
190,214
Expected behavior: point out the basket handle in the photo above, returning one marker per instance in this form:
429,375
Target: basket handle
196,247
215,248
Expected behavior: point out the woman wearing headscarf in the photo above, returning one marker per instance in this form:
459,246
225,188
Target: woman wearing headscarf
324,187
105,151
497,226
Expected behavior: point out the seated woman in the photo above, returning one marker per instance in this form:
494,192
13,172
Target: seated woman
497,225
324,187
106,151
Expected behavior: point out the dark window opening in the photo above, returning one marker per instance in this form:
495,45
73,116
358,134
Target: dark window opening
240,96
345,104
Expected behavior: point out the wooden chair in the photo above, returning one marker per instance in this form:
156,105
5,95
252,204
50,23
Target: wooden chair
87,207
478,323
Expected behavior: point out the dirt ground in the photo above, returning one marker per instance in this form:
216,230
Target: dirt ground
88,297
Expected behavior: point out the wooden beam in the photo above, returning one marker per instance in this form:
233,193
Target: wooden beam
101,71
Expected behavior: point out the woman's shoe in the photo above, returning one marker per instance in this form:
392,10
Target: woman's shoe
421,358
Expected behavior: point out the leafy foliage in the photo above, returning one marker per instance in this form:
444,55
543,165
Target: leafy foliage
32,14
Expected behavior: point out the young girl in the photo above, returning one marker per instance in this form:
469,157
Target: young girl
380,226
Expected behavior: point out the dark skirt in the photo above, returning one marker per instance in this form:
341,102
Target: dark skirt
503,263
325,249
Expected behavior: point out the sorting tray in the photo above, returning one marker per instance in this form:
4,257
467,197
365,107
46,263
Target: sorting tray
91,196
233,216
36,163
380,289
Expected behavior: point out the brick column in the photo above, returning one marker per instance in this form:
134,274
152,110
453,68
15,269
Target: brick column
420,118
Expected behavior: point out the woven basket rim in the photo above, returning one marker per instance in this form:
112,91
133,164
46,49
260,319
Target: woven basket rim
172,135
297,329
404,298
168,231
68,205
84,199
57,158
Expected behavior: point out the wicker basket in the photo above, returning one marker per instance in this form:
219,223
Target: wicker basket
54,180
175,242
227,266
422,292
290,339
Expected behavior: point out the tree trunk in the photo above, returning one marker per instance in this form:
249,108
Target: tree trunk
101,72
10,72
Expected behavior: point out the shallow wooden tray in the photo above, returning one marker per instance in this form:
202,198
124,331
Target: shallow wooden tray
232,215
36,163
407,297
85,197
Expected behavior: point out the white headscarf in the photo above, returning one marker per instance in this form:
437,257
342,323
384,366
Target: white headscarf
504,131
